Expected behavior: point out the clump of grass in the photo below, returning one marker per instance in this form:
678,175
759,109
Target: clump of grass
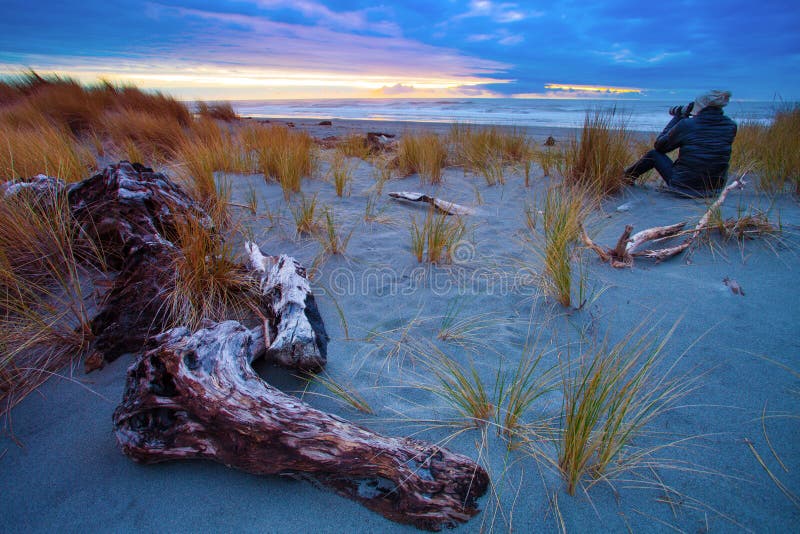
341,173
548,158
332,239
47,149
210,281
222,111
596,159
564,210
487,150
424,154
518,391
437,236
46,265
353,146
305,217
282,154
461,387
466,332
608,399
775,149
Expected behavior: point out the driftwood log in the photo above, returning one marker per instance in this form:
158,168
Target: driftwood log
627,247
196,396
444,206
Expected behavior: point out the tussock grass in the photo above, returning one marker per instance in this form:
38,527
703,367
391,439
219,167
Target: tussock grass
341,173
459,386
424,154
281,154
332,239
609,397
596,159
353,145
46,262
305,216
563,212
436,236
210,280
488,149
46,149
548,158
775,149
222,111
155,136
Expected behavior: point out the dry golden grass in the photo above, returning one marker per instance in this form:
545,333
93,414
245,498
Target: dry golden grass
211,282
437,236
281,154
488,149
424,154
596,159
354,146
775,150
222,111
341,173
155,136
45,149
45,308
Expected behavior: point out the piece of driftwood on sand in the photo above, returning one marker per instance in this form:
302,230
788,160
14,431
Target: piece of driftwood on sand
626,249
451,208
195,394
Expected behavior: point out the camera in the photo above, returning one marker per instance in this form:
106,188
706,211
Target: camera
681,111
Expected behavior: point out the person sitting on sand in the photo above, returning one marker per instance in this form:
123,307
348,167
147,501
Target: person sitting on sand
704,140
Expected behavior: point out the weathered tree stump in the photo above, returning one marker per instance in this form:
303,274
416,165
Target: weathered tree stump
196,396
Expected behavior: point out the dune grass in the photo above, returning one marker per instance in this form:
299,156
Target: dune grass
461,387
341,173
281,154
353,145
774,148
434,239
332,239
611,394
424,154
340,391
597,157
43,149
45,303
210,280
564,210
487,150
222,111
305,215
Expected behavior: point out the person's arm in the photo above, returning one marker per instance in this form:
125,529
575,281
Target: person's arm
672,136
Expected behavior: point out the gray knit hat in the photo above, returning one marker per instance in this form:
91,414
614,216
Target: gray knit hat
715,98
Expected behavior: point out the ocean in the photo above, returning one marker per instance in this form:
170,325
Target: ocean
641,115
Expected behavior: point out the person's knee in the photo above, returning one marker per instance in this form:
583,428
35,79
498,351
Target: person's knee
652,153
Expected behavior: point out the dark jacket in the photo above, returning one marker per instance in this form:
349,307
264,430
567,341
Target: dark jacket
705,150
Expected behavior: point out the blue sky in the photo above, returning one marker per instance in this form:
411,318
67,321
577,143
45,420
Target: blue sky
347,48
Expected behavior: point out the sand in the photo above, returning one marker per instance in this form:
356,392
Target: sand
65,470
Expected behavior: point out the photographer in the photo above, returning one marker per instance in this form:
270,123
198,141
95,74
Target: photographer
704,135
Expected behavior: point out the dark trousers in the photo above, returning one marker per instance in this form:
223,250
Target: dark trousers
653,159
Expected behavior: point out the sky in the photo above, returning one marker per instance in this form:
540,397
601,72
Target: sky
262,49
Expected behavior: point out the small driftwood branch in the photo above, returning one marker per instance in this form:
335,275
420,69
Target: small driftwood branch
195,395
450,208
623,253
296,338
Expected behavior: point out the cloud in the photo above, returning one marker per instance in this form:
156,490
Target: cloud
503,12
593,89
345,20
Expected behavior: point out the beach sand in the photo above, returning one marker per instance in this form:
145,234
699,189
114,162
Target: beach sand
62,468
